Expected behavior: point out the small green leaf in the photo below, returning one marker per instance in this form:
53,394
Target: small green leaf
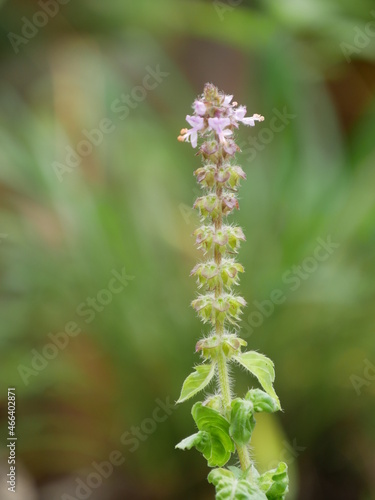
262,368
230,487
275,483
242,421
197,381
220,446
201,441
262,401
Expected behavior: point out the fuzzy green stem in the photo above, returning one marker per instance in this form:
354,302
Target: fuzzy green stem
217,254
243,455
224,380
242,451
224,385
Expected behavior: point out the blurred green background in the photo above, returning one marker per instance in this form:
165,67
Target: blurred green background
68,225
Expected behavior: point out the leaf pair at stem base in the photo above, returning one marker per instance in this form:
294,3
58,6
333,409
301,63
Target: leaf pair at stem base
257,364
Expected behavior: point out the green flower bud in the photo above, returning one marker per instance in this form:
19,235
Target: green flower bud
232,345
228,238
222,175
236,173
203,306
210,150
207,274
228,343
229,203
235,306
214,402
209,346
229,270
235,236
204,237
227,307
206,175
221,237
208,206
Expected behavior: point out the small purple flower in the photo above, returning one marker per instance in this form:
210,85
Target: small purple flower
227,100
219,126
239,116
216,112
239,113
191,135
199,108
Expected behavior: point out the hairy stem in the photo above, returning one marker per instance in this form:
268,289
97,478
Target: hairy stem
242,451
243,455
217,254
224,381
224,385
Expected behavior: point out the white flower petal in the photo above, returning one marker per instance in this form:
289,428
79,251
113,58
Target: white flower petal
199,108
227,100
194,138
248,121
196,122
218,124
240,113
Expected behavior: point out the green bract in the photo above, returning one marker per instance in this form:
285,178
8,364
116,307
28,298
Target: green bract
225,423
197,381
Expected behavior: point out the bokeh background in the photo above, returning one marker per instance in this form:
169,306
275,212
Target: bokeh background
67,226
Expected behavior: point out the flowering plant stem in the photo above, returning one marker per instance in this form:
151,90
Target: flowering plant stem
224,385
225,423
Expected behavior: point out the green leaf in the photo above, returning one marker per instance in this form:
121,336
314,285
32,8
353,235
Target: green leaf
201,440
275,483
262,368
262,401
230,487
219,446
197,381
242,421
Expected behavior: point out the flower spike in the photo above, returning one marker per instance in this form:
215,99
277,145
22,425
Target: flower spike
225,423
